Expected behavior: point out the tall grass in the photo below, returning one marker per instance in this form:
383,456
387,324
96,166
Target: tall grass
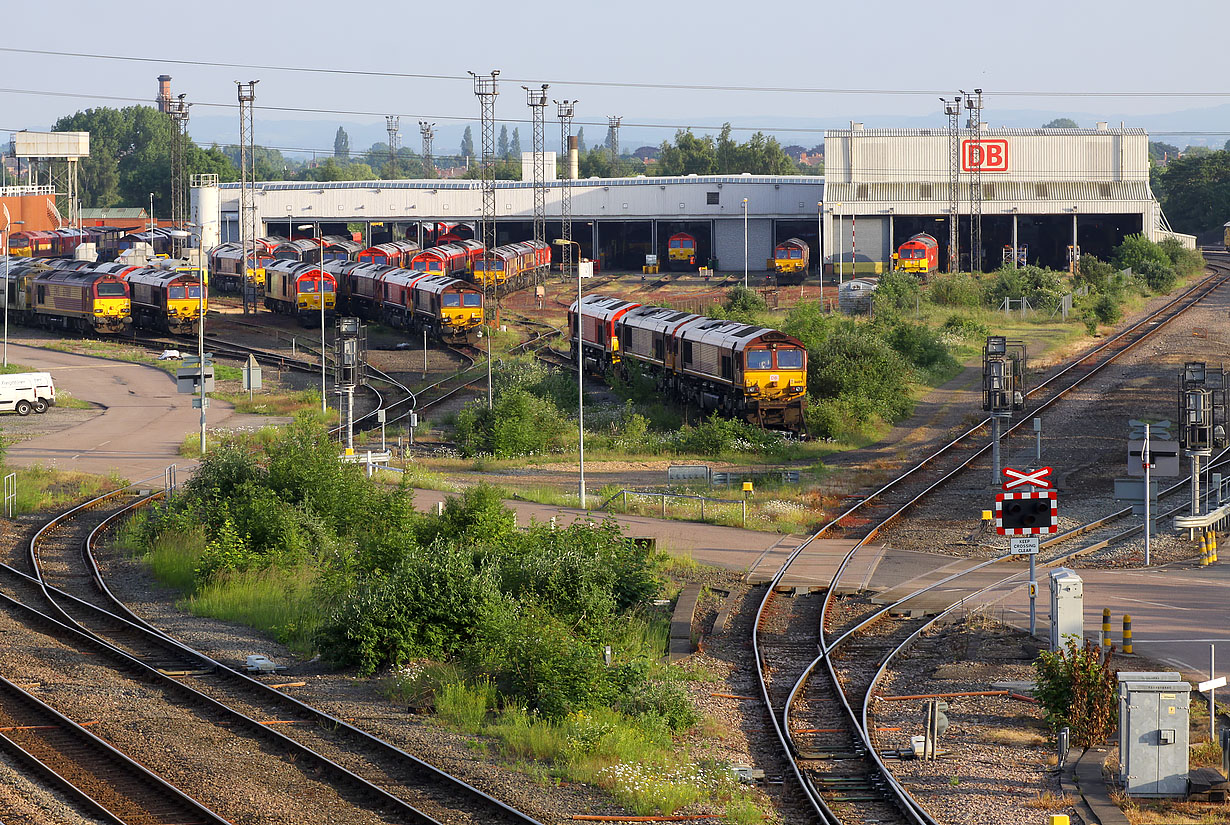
174,558
41,488
277,601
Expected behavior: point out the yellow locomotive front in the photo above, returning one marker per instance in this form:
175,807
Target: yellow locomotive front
775,372
112,305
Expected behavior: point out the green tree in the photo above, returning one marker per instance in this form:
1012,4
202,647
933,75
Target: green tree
514,148
332,170
131,157
1159,151
467,143
341,144
502,142
1061,123
1195,191
581,139
687,155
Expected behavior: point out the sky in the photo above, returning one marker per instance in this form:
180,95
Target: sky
809,65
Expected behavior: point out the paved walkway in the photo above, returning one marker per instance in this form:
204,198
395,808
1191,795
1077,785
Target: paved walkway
139,430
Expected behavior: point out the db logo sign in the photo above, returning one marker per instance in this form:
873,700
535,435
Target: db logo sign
984,155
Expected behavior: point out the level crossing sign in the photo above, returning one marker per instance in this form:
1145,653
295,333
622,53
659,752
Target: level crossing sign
1020,478
1026,513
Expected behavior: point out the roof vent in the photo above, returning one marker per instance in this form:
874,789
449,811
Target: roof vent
1103,126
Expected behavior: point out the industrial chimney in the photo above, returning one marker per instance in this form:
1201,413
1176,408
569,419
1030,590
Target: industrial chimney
574,159
164,93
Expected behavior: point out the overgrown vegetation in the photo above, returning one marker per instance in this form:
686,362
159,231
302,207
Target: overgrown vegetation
1077,688
502,631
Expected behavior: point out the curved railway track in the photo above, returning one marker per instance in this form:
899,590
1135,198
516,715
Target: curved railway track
74,603
808,685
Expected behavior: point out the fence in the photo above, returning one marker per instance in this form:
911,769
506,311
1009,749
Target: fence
623,495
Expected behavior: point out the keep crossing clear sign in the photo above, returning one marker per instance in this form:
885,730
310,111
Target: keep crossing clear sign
1023,545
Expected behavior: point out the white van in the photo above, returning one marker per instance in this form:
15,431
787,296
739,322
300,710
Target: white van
26,391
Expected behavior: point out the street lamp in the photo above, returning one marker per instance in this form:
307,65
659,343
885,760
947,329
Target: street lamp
819,251
744,243
580,375
841,266
320,290
200,326
8,235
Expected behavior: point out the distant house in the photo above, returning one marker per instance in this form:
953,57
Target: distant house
811,158
794,151
646,153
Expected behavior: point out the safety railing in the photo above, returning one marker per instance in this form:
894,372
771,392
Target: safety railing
664,498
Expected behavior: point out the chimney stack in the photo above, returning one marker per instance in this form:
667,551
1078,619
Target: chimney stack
164,93
574,158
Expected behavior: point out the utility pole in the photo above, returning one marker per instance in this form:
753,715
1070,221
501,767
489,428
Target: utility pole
952,108
392,123
485,87
536,99
566,109
247,189
427,130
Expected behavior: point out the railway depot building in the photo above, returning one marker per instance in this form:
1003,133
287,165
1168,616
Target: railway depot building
1045,188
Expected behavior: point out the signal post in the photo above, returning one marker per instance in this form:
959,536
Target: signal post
1028,507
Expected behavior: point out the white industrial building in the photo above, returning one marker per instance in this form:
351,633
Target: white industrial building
1042,191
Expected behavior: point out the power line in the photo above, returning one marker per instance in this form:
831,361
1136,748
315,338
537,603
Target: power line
691,87
769,130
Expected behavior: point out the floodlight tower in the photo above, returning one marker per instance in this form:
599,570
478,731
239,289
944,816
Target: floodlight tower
247,189
177,110
976,157
392,124
566,109
613,124
952,108
428,131
486,88
536,99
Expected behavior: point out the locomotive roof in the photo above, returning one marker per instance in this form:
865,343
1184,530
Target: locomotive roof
296,268
732,335
799,242
603,307
71,276
436,284
156,276
657,319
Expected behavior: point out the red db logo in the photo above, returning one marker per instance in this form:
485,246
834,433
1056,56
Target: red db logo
984,155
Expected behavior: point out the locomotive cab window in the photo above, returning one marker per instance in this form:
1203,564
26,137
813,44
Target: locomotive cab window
473,299
452,299
790,359
307,287
110,290
759,359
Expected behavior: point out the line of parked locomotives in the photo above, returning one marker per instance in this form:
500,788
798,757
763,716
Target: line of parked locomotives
438,289
103,298
738,370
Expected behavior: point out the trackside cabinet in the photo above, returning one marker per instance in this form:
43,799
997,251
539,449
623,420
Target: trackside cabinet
1154,735
1125,676
1067,608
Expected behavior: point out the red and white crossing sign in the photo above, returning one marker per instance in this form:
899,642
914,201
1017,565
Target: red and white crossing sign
1019,478
1027,513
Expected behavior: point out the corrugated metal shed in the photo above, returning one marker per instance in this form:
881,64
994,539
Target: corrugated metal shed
116,213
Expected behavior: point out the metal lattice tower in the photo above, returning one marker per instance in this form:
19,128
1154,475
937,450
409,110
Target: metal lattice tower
566,109
178,112
392,124
612,123
247,184
974,104
486,89
537,100
428,132
952,108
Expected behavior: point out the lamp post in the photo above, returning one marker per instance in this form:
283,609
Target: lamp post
200,328
580,377
320,290
744,243
841,264
8,236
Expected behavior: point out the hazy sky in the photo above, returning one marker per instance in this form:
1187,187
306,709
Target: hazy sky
1059,47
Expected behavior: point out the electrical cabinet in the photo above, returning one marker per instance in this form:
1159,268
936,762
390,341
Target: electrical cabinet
1067,607
1153,721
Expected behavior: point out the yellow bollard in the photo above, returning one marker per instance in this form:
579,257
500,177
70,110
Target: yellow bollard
1106,627
1059,819
1212,546
1204,552
1127,633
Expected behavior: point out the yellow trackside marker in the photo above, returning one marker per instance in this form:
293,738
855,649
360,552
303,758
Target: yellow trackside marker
987,515
1127,633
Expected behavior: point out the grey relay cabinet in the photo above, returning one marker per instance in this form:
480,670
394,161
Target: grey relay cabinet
1153,722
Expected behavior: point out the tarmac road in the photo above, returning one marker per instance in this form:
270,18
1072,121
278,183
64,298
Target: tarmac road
136,434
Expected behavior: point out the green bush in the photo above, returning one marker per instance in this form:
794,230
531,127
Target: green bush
921,345
859,368
1077,688
959,328
1097,275
898,292
958,289
742,304
1187,262
520,423
1042,287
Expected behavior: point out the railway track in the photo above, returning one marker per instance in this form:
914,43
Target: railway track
64,592
808,685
